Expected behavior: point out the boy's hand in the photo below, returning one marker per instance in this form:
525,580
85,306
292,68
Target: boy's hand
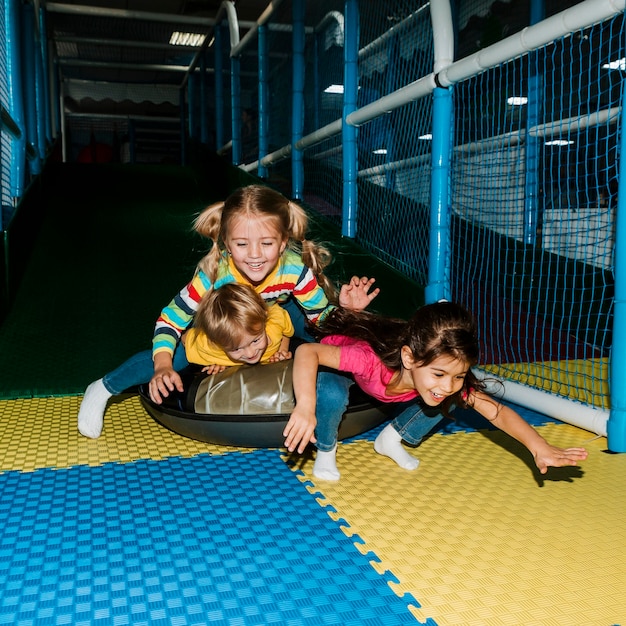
280,356
299,430
213,369
356,294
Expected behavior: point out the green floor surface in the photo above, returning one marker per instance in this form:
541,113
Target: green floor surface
114,246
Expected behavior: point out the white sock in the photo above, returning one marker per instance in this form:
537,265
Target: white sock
325,466
389,443
91,413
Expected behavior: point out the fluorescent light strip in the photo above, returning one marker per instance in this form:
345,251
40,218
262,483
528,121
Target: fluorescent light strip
517,101
186,39
559,142
620,64
334,89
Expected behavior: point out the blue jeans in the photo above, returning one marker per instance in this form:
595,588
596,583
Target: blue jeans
138,370
298,319
413,420
332,401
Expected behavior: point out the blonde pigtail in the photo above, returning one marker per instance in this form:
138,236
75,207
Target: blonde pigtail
315,256
298,222
209,224
318,258
209,221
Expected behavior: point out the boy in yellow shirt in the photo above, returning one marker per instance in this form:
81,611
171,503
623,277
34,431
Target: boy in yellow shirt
233,326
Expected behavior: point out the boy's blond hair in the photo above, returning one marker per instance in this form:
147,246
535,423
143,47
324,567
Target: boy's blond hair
226,314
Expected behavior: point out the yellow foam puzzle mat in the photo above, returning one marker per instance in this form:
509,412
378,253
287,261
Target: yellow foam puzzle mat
145,524
479,537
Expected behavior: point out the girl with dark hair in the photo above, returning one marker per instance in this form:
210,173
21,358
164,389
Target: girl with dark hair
427,360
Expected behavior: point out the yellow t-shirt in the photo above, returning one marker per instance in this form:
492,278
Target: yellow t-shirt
201,351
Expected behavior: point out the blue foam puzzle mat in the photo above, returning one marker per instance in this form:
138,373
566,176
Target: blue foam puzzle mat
232,540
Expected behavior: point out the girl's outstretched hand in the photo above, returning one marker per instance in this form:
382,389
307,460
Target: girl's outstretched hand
164,381
356,294
300,430
551,456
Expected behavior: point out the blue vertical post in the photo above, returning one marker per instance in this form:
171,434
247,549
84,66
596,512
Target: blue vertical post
349,133
183,127
46,77
264,99
219,89
438,286
132,138
531,194
297,99
317,89
191,104
235,101
393,55
40,92
616,426
204,132
29,70
16,102
56,101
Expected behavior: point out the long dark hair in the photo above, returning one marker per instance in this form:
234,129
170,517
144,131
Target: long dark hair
434,330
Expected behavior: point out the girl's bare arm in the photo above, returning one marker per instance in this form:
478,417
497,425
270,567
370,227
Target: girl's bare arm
506,419
300,428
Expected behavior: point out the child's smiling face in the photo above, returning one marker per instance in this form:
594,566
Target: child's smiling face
255,245
249,348
439,379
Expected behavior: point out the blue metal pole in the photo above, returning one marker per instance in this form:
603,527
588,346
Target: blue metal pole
235,101
204,132
317,91
297,116
40,93
29,70
132,138
349,133
219,89
183,127
535,88
438,286
16,102
264,99
46,77
616,425
56,102
191,98
393,55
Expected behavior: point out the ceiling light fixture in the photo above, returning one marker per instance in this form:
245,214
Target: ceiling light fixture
186,39
334,89
620,64
559,142
517,101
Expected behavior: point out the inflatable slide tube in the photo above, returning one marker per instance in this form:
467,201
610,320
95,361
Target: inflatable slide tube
250,430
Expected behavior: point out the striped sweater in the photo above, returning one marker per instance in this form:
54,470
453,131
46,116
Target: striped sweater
290,276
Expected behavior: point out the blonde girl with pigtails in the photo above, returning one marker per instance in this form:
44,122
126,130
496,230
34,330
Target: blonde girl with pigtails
258,239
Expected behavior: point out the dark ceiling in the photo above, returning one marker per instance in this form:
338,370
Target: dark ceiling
114,56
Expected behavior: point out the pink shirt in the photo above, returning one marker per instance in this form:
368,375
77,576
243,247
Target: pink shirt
358,358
